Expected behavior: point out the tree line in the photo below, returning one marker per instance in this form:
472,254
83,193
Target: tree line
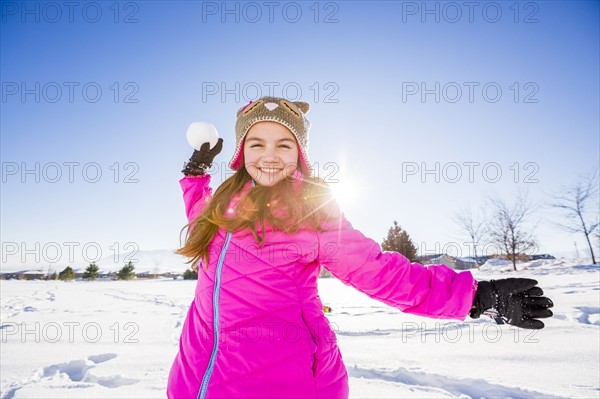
91,273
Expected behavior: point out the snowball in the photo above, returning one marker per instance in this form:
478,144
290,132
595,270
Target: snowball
199,133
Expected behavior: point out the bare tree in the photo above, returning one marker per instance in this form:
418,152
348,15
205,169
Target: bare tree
473,227
579,202
507,227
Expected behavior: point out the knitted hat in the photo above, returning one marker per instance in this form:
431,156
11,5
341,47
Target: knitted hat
291,114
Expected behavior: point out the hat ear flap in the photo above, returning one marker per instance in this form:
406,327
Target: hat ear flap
304,107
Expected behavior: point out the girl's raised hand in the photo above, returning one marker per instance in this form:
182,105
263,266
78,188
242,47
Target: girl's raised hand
201,160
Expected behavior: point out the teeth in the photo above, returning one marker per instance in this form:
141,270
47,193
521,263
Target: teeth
270,170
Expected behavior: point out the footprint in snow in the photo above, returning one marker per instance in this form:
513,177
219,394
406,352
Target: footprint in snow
78,371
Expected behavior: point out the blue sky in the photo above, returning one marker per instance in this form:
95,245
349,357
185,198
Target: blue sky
156,65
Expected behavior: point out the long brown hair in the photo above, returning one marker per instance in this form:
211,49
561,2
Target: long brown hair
306,205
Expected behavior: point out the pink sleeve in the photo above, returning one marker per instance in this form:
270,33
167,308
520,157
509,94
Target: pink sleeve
196,194
435,291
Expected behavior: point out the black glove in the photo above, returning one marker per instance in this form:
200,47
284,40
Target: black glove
202,160
518,301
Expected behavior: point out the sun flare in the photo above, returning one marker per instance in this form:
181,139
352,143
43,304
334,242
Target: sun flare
344,192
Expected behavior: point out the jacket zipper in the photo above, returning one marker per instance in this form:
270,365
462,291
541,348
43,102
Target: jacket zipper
213,356
216,292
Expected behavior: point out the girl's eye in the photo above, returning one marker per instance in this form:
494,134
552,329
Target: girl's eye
286,146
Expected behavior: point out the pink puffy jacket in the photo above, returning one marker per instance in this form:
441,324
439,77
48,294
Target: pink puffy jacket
256,327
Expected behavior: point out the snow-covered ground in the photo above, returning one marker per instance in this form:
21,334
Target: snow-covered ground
117,340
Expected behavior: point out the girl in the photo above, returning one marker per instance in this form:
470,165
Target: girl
256,327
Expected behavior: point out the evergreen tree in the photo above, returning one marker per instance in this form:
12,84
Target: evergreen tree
190,274
398,240
126,272
67,274
91,273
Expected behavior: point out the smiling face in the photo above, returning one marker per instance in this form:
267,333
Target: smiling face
270,153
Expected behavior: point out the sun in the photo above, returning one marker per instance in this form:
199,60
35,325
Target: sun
344,192
345,188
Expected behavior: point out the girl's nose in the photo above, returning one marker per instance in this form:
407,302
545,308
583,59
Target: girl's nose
269,154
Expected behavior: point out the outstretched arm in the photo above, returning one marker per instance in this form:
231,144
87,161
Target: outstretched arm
434,291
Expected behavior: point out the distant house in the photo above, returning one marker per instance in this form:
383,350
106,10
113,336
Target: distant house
78,273
19,275
104,275
466,263
35,274
146,275
450,261
483,259
541,256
